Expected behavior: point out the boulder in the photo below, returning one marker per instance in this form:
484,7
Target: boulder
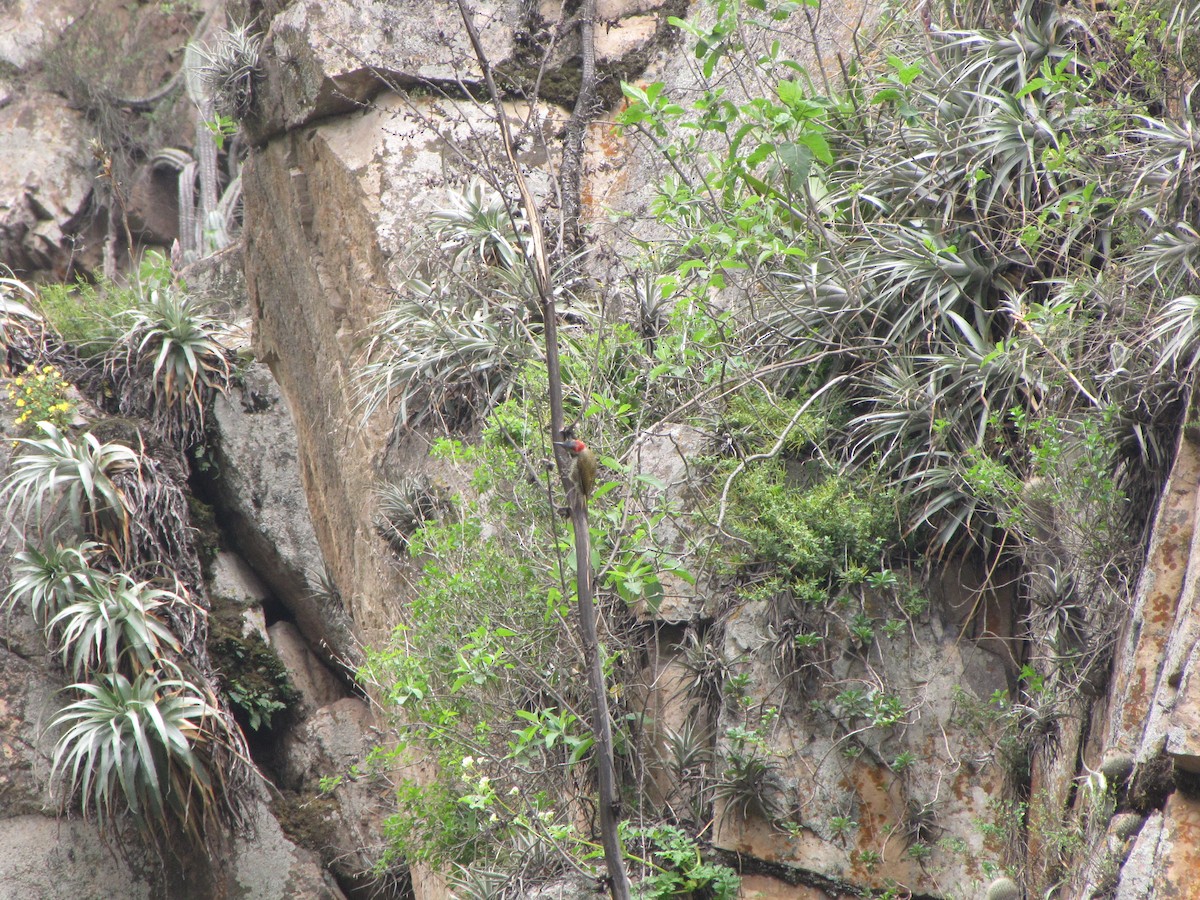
317,685
232,581
45,182
28,701
345,821
261,504
268,864
331,740
66,860
27,26
1137,875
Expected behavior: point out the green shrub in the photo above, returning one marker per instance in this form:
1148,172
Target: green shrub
253,676
679,868
84,314
755,420
432,825
816,531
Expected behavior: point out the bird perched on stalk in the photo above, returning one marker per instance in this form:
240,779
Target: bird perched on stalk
583,466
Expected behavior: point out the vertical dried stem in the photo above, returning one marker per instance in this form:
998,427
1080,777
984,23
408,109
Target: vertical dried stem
601,722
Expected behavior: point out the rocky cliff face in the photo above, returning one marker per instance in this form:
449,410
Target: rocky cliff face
358,128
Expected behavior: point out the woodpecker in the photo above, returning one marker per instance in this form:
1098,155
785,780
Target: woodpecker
583,469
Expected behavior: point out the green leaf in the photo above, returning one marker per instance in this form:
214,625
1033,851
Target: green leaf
906,73
605,488
818,145
791,93
1034,84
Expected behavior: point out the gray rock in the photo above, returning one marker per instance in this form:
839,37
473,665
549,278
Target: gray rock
45,181
28,26
330,741
346,822
65,860
219,279
316,684
1137,875
28,702
261,503
322,58
233,580
269,865
153,204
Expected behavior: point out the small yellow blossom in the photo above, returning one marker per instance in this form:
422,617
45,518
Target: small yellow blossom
47,369
20,403
19,381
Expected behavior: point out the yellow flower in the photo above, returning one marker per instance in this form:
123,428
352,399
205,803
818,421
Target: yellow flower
20,381
20,403
41,378
48,369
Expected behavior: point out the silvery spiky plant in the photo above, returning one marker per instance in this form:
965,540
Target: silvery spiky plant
17,320
749,783
954,264
478,222
438,350
50,577
142,745
443,346
115,623
169,362
405,505
56,480
450,346
226,70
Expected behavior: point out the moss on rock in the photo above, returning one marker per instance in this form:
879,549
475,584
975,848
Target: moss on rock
251,673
